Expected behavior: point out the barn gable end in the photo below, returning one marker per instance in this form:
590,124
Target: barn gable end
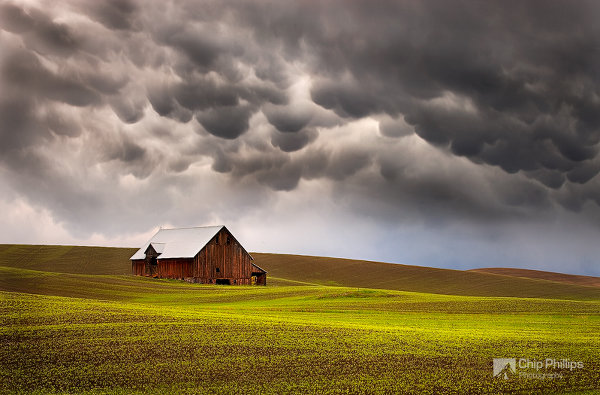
207,255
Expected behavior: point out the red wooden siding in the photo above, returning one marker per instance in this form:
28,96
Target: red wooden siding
178,268
138,267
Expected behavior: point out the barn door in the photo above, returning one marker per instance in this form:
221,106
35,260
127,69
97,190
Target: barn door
153,267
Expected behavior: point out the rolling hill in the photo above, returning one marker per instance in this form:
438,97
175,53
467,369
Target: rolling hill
543,275
300,269
367,274
67,259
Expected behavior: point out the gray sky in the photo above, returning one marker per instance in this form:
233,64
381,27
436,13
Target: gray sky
452,134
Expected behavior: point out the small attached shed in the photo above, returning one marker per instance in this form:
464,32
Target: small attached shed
206,255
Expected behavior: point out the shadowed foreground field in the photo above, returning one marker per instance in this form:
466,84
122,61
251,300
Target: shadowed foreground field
100,333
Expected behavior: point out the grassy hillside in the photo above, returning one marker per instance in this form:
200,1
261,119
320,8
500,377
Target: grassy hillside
69,324
543,275
67,259
157,336
356,273
299,269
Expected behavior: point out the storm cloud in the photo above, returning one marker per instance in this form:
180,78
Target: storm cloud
403,114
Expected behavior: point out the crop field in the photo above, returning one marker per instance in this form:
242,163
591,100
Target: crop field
66,331
526,273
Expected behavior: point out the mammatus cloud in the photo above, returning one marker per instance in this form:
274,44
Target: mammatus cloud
408,113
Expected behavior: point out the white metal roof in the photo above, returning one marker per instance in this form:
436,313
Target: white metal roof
179,243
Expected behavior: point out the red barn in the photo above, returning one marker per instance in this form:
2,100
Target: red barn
206,255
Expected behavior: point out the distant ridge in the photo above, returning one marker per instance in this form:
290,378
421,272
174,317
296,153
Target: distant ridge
67,259
43,262
588,281
369,274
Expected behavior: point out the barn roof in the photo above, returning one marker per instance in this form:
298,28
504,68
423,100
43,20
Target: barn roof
179,243
158,247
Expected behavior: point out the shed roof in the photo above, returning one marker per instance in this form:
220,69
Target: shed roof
158,247
180,242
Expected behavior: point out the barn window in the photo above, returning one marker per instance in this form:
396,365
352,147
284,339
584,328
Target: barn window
228,240
218,270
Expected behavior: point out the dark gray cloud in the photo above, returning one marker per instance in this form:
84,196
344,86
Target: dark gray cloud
203,94
129,110
114,14
290,142
25,71
476,112
38,30
15,19
287,118
18,128
516,86
228,122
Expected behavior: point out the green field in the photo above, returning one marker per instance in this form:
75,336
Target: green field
72,321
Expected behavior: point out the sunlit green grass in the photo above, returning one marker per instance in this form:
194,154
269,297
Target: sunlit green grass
310,339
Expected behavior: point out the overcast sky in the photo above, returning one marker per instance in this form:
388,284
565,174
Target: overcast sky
454,134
